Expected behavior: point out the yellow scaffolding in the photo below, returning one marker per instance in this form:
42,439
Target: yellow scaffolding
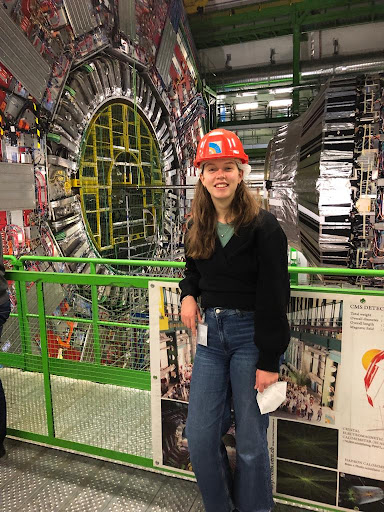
119,159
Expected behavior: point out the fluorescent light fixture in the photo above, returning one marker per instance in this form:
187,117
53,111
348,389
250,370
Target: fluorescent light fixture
247,106
280,103
284,90
246,93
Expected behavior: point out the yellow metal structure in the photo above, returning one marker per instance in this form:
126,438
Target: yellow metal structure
119,159
192,5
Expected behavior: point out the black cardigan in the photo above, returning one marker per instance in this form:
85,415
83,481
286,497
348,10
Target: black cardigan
249,273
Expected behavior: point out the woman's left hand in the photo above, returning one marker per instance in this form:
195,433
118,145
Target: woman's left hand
265,379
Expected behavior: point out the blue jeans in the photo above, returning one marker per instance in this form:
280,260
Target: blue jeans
5,309
225,368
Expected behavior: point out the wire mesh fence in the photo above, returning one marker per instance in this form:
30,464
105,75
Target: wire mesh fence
26,409
76,362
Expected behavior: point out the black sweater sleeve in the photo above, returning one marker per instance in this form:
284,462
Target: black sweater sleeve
272,332
190,284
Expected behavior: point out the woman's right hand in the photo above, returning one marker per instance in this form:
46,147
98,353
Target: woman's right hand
190,312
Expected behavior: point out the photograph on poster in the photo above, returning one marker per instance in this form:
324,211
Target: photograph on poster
307,443
175,445
358,493
177,349
311,362
308,482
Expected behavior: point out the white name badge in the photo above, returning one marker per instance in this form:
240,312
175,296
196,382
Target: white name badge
202,334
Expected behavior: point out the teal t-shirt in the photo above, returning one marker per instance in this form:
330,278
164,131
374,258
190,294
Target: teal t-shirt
225,232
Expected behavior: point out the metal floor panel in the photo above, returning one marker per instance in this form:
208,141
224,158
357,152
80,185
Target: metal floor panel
40,479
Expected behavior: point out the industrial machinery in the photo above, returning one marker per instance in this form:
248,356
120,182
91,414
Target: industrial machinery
325,176
101,108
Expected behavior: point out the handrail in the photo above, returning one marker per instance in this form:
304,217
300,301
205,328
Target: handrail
15,262
331,271
105,261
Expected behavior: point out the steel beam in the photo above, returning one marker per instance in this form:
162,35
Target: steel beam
274,19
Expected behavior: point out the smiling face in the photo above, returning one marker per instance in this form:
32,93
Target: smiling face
221,177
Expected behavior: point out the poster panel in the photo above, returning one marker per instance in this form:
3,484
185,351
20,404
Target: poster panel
362,388
172,354
326,440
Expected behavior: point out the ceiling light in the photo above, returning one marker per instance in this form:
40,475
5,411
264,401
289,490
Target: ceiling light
247,106
284,90
221,97
280,103
246,93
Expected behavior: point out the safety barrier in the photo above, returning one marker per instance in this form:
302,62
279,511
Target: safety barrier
76,373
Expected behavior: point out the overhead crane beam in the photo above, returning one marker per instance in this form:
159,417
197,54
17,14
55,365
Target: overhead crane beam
273,19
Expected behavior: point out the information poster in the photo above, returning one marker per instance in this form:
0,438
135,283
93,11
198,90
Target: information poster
326,440
362,422
172,354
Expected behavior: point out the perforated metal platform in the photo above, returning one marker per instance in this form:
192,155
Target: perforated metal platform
39,479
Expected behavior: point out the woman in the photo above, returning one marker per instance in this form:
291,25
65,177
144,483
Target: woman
236,262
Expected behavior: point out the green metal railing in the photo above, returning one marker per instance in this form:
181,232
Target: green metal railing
29,354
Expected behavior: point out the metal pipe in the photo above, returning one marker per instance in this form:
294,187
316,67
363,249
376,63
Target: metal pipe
296,68
283,72
160,187
163,187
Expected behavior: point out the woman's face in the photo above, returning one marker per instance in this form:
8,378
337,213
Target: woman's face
221,177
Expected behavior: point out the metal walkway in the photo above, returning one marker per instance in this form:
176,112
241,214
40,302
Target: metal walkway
39,479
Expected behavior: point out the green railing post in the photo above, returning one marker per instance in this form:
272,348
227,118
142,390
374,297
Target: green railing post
95,318
45,359
22,309
26,341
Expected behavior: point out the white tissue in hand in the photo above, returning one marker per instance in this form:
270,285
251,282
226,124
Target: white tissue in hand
270,399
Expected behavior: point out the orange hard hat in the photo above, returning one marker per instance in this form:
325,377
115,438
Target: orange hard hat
220,143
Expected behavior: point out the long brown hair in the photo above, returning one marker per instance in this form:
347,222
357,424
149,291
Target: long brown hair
201,235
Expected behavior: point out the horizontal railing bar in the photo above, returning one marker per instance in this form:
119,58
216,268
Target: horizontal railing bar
344,291
130,326
85,279
106,261
331,271
179,264
96,451
88,321
83,448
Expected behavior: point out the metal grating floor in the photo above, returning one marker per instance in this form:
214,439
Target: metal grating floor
40,479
